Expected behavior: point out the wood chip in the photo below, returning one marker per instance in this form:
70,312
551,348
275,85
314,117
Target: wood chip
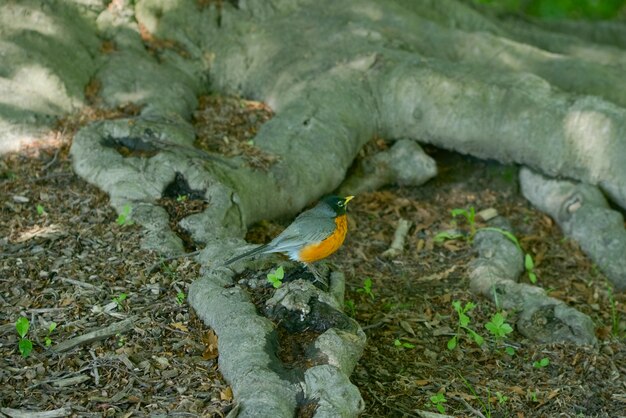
100,334
70,381
18,413
487,214
399,236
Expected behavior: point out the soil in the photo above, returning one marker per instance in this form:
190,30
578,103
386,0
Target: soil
67,258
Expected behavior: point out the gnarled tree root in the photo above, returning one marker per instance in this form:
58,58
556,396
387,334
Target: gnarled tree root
494,274
584,215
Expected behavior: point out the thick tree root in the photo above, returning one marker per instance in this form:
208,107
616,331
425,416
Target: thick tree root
541,318
248,347
405,163
584,215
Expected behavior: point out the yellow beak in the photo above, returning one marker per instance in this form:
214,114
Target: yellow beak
347,199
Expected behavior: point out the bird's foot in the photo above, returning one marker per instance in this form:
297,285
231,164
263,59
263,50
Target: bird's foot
317,275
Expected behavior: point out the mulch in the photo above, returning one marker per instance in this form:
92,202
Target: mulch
65,257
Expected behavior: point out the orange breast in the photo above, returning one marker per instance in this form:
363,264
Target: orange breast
323,249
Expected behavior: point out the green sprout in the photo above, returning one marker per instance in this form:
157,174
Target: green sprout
276,277
367,288
180,297
22,325
181,198
614,315
501,398
119,299
498,327
123,218
350,307
402,344
437,401
51,328
40,210
541,363
510,351
470,218
446,236
463,324
529,265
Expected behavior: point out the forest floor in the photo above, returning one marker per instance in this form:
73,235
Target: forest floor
67,258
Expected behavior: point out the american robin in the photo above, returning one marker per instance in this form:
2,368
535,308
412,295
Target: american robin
313,235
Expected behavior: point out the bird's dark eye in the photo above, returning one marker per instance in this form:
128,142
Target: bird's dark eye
340,204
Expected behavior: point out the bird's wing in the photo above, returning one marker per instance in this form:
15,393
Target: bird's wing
306,229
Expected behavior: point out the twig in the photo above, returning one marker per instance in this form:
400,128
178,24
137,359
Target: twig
438,276
96,375
80,283
52,161
468,406
428,414
403,412
18,413
70,381
100,334
397,245
174,257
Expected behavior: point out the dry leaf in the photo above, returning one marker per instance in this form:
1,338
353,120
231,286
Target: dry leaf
50,232
179,326
226,394
210,342
407,327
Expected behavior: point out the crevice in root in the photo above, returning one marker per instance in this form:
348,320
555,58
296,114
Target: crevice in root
131,146
228,125
181,201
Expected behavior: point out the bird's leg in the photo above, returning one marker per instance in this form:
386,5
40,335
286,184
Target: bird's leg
316,273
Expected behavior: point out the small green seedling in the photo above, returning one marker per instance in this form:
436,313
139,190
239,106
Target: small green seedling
501,398
498,326
350,307
446,236
614,315
169,269
22,325
367,288
123,218
51,328
276,277
437,401
119,299
180,297
463,324
40,210
470,218
181,198
541,363
529,265
510,351
402,344
121,339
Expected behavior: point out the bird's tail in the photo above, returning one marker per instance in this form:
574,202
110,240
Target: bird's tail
250,253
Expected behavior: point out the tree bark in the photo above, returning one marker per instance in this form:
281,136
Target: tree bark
549,96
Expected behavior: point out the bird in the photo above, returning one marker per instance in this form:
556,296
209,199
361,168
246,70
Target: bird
314,234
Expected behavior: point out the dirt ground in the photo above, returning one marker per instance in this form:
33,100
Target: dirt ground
67,258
